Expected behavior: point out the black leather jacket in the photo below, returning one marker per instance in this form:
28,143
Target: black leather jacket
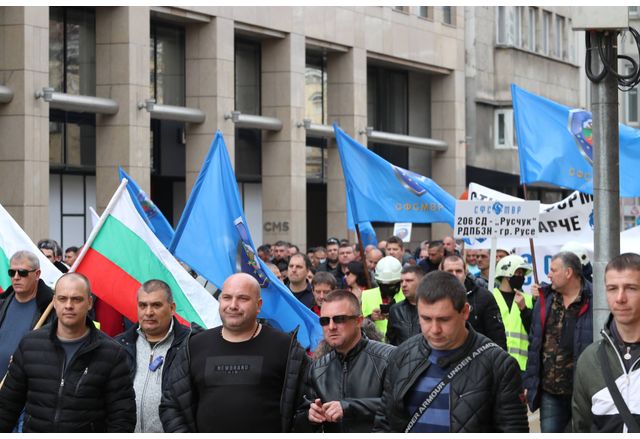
486,396
403,322
354,379
485,315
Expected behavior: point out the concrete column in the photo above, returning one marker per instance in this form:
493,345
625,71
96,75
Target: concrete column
24,122
347,104
284,182
448,124
122,74
209,87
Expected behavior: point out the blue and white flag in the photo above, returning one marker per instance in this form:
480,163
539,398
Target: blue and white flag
555,144
380,191
213,239
148,210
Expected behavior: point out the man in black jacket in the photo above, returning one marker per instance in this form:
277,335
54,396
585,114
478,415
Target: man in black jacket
479,384
344,386
68,376
403,316
484,314
239,377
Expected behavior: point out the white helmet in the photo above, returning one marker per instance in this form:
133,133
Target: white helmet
577,249
388,270
508,265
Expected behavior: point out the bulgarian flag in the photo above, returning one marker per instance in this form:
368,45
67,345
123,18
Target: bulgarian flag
13,239
122,253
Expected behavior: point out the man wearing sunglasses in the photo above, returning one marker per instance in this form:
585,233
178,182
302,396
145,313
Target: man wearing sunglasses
344,386
22,304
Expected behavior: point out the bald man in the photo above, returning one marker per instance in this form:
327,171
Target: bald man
255,370
69,376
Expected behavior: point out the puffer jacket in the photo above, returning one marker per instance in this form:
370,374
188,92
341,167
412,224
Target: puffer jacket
44,294
403,322
94,393
581,332
355,380
484,314
178,406
486,396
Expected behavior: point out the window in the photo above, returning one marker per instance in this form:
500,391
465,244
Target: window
633,11
632,102
316,110
448,15
504,133
403,9
518,30
167,48
533,27
425,12
546,25
560,37
72,70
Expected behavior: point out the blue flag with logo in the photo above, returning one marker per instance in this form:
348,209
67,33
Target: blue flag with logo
213,239
380,191
555,145
148,211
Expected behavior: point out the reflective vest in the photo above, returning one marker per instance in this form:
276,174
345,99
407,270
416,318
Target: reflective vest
371,299
517,338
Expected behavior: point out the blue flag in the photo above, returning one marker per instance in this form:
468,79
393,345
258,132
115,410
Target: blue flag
213,239
380,191
555,145
367,233
148,211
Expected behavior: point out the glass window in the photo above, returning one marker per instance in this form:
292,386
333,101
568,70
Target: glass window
167,47
448,16
404,9
504,137
425,11
518,25
546,25
560,37
316,111
533,27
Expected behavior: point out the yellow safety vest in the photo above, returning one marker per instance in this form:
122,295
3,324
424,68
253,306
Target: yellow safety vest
517,338
371,299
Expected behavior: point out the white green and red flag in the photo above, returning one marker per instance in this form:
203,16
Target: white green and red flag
122,253
13,239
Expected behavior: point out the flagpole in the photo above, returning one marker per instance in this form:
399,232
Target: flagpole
533,250
363,257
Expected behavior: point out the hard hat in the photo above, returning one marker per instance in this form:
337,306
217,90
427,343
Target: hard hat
508,265
388,270
577,249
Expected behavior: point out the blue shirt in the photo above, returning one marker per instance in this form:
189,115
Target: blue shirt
16,323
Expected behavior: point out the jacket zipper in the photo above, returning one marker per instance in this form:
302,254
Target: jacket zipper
56,417
84,374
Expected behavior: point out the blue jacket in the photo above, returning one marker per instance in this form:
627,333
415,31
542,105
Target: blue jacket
582,337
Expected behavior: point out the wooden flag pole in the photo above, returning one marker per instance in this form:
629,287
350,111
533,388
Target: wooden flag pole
363,257
533,250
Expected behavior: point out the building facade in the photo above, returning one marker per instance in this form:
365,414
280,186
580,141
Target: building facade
88,89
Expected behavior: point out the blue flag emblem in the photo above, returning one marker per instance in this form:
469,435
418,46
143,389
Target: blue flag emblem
247,257
408,180
580,126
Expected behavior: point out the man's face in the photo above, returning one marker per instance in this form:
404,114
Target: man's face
72,302
320,291
436,254
345,255
313,258
297,271
483,259
263,255
456,268
332,252
449,245
409,284
558,275
279,252
48,254
372,259
320,255
292,251
394,250
24,286
276,271
470,257
239,304
501,254
340,335
442,326
154,313
623,296
70,258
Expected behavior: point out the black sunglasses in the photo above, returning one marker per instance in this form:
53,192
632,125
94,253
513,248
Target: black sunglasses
21,272
324,321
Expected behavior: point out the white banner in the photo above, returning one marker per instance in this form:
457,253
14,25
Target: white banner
485,218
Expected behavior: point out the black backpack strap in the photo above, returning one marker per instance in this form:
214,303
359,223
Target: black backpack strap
622,407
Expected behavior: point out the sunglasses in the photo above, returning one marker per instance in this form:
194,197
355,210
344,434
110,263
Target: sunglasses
21,272
324,321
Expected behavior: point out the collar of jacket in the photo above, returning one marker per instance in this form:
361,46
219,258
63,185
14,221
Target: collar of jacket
44,295
355,350
94,333
179,333
463,351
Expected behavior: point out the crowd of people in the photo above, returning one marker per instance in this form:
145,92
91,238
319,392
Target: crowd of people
413,341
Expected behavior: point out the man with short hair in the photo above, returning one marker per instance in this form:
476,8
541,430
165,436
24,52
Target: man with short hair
561,328
344,385
321,255
434,257
22,304
482,258
299,267
70,255
151,347
331,262
403,316
52,250
373,257
322,284
250,373
264,252
449,245
293,249
471,261
281,255
478,383
345,255
69,376
395,248
616,354
484,314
